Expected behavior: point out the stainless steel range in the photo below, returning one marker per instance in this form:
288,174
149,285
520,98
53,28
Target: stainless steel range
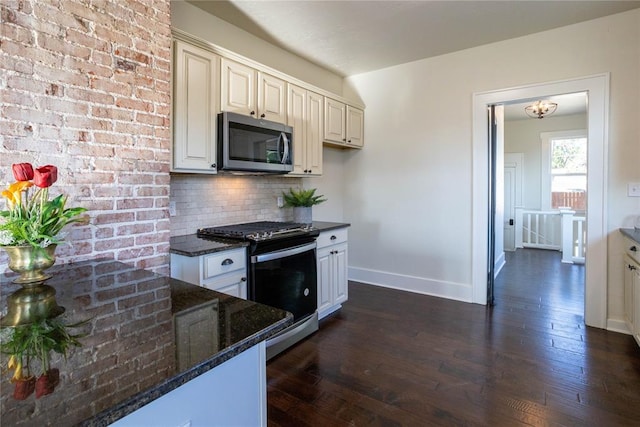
282,272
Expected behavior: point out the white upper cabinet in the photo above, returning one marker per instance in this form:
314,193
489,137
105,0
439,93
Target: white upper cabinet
334,121
343,124
247,91
355,126
195,80
208,79
304,114
272,98
238,87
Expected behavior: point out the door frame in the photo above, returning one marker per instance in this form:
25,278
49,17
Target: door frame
597,89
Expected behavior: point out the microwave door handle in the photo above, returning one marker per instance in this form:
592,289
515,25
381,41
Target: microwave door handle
285,157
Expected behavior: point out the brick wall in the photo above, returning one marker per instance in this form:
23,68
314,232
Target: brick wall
206,200
86,86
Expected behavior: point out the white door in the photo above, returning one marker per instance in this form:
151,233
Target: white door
513,197
509,209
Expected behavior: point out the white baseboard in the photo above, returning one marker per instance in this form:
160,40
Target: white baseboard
420,285
618,325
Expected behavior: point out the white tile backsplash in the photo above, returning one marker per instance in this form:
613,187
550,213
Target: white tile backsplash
209,200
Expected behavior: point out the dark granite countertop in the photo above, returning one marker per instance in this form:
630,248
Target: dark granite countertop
326,226
191,245
631,233
130,355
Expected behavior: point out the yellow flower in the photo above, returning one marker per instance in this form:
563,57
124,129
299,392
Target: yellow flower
15,363
14,192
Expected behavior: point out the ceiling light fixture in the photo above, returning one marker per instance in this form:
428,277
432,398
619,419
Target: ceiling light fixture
540,109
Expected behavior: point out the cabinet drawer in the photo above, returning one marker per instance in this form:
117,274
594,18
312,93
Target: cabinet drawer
632,249
332,237
223,262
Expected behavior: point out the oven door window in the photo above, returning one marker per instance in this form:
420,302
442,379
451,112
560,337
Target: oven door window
286,279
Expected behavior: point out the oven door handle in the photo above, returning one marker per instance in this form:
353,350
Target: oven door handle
282,254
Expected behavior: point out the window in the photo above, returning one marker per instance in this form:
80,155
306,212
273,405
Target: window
564,170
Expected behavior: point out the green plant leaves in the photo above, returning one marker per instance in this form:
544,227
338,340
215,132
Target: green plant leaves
302,197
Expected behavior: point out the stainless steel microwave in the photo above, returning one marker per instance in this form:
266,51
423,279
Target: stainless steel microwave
252,145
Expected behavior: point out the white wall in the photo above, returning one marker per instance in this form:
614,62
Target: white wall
409,191
523,136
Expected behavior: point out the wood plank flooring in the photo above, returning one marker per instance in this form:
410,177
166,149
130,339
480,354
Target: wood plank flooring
393,358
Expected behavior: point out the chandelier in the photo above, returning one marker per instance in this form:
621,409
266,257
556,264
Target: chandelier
540,109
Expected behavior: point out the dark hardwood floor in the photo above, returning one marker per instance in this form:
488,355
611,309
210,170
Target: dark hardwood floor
392,358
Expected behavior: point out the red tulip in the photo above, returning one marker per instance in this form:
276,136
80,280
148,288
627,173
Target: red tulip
47,382
22,171
45,176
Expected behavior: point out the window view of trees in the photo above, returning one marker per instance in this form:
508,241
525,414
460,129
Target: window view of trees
569,173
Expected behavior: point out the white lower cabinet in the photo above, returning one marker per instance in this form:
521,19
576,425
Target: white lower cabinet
333,288
233,393
631,267
224,271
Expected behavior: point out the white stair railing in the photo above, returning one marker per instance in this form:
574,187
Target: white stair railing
555,230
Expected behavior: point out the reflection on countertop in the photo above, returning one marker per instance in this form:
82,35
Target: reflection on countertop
139,344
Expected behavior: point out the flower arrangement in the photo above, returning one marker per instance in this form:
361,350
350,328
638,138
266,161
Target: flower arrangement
33,219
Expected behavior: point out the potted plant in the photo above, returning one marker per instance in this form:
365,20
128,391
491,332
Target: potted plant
302,200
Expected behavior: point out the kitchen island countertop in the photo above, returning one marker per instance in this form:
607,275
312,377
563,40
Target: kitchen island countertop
130,355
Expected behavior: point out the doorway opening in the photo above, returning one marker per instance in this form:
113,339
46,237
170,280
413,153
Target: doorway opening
596,87
544,174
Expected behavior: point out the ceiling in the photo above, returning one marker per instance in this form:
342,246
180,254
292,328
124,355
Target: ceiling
351,37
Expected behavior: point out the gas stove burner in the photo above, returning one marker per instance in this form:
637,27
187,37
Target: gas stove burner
257,231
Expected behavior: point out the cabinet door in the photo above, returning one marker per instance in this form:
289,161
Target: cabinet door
195,108
340,287
355,126
636,301
234,284
238,87
272,99
629,297
325,280
297,118
334,121
314,133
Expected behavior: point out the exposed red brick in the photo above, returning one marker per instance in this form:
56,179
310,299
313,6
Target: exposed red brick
116,217
108,129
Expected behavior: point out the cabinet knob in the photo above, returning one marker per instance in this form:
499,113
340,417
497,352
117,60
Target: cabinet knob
213,165
309,170
306,171
262,115
244,279
333,237
633,249
349,141
252,113
344,139
227,261
631,267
